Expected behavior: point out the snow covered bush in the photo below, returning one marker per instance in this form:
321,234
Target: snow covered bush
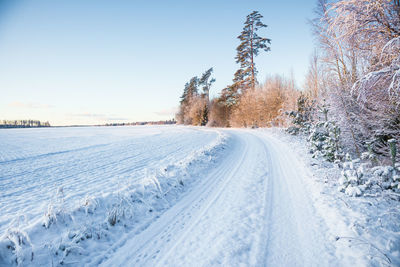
393,151
358,176
370,155
302,117
352,181
324,140
324,137
55,209
388,177
16,248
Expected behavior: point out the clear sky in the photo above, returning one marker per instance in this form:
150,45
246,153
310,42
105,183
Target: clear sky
90,62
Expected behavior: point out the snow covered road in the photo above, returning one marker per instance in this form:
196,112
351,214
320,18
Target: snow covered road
250,210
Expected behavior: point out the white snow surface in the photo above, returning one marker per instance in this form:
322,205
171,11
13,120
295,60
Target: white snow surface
177,196
34,163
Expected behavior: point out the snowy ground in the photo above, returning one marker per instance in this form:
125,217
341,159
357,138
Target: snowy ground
176,196
366,227
34,163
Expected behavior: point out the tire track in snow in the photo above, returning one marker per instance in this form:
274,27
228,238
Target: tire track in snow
302,240
181,218
262,253
228,173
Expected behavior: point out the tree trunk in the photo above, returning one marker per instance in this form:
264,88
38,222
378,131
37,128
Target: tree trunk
252,57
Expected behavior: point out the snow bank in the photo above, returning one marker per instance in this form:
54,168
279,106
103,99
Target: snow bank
362,216
81,234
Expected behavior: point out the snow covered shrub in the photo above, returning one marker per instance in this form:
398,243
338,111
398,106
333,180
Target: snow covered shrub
324,138
302,117
393,151
120,208
396,181
352,181
358,176
20,245
387,176
324,141
112,215
55,209
89,204
370,155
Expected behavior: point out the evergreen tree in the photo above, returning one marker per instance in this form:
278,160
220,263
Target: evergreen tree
239,81
206,83
190,90
194,106
249,48
204,117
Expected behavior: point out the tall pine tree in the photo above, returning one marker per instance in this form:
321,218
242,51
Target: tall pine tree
249,48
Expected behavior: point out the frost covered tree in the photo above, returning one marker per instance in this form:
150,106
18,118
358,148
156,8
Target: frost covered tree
372,30
313,85
366,25
337,61
357,69
249,48
359,55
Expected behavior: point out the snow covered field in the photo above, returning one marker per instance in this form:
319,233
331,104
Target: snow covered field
180,196
34,163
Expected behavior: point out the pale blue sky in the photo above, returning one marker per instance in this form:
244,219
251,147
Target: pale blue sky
90,62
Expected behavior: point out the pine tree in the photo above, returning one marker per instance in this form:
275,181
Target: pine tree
230,95
239,80
190,90
194,106
249,48
206,83
204,117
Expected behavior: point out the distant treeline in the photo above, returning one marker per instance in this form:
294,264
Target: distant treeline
23,124
142,123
